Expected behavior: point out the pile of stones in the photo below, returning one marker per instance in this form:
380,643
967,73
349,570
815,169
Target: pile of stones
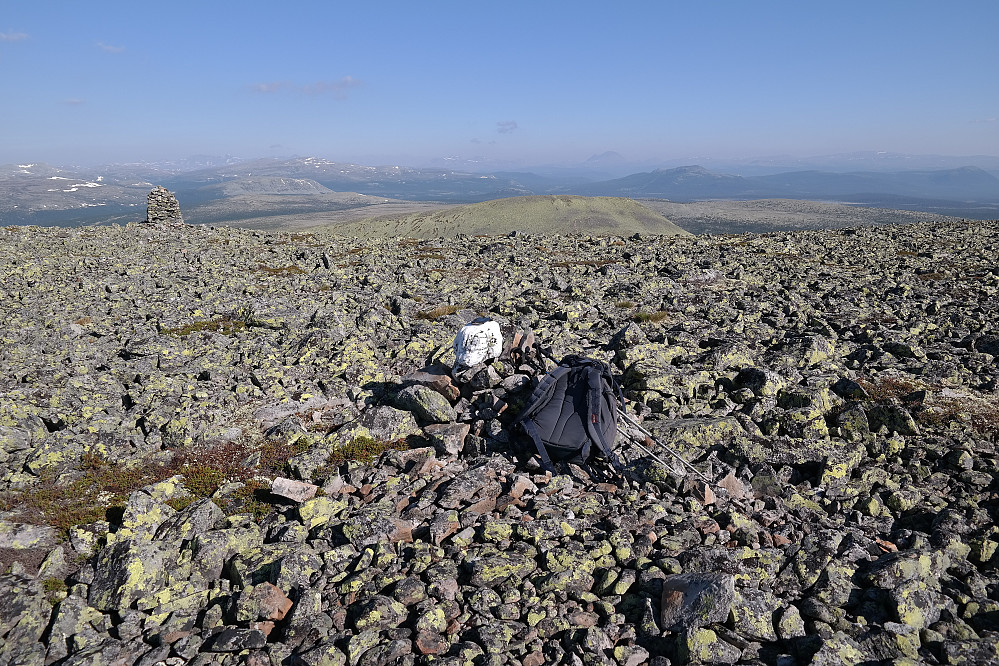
162,207
837,389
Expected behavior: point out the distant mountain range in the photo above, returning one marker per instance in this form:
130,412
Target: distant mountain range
229,190
695,182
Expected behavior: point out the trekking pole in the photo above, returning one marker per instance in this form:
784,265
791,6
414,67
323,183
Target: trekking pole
647,451
634,424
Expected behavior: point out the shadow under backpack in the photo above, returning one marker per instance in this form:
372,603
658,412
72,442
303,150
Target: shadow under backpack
572,414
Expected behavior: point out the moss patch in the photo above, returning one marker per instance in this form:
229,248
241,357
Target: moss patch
365,449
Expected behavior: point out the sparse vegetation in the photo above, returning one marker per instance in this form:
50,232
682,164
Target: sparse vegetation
291,269
884,388
275,454
437,312
55,589
650,317
365,449
102,488
980,415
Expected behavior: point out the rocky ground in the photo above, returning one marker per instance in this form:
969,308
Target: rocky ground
226,447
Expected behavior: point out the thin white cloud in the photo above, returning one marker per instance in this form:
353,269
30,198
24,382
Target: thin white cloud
74,101
13,36
986,120
270,87
506,126
108,48
337,88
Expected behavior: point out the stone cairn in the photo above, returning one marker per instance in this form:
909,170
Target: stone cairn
162,207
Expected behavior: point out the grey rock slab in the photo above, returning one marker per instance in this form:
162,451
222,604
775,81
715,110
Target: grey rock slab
197,518
448,438
235,639
21,536
129,569
428,405
386,424
24,611
696,600
297,491
476,484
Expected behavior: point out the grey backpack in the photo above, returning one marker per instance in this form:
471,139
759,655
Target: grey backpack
572,414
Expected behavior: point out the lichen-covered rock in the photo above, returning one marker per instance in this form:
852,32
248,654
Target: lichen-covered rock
428,405
378,612
702,646
690,601
835,532
490,567
130,569
24,614
320,511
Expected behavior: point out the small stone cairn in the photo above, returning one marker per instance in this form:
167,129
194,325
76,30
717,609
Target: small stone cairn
162,207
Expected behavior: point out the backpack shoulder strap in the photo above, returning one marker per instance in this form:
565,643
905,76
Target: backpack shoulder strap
539,399
532,431
594,398
542,393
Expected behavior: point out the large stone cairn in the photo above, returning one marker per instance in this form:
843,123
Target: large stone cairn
162,207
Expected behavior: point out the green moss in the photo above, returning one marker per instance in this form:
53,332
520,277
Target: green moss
365,449
180,503
55,590
207,470
247,500
275,454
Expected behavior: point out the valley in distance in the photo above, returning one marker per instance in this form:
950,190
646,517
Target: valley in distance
304,193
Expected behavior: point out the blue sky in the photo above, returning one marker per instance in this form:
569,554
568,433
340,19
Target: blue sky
508,82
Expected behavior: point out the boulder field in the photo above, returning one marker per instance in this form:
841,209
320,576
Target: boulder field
220,446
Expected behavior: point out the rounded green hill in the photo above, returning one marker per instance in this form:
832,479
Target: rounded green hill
544,214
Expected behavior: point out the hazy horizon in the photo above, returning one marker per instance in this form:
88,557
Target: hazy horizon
859,162
504,84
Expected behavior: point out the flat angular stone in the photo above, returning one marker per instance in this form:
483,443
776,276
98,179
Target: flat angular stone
426,404
20,536
695,600
297,491
236,639
447,438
